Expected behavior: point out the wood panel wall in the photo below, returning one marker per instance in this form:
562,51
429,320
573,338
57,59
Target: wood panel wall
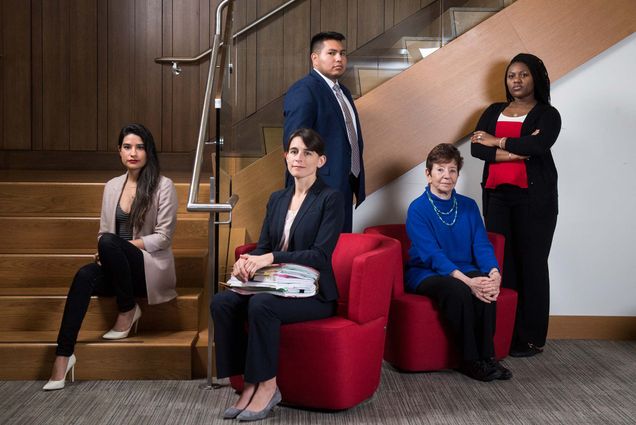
72,72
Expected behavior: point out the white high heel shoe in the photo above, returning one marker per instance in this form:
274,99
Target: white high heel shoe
58,385
113,334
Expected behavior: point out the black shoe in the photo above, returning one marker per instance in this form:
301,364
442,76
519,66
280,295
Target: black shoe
504,373
525,350
479,370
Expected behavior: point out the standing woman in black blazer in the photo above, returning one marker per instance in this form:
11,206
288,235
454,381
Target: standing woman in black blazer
520,191
301,226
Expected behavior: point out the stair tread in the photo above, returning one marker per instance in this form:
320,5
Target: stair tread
146,337
77,176
53,292
90,217
71,252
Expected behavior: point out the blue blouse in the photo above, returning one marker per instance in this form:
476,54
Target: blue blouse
438,248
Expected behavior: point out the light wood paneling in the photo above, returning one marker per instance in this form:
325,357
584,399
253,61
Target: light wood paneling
57,270
415,111
592,327
572,31
67,199
46,305
51,233
254,185
150,355
16,75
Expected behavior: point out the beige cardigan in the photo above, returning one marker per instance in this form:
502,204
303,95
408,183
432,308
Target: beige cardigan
156,233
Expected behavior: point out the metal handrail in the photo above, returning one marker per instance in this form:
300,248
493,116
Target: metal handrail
262,18
177,60
193,205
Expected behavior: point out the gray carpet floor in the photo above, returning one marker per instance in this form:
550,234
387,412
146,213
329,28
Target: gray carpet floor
573,382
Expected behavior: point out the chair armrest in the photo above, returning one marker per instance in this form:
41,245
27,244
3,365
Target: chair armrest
373,276
243,249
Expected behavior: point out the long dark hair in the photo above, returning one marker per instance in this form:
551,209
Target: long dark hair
148,176
539,76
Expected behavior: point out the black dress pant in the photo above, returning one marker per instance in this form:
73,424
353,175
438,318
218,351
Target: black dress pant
254,354
121,274
470,320
528,242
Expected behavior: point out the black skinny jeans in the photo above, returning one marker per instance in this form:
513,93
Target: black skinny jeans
471,321
121,274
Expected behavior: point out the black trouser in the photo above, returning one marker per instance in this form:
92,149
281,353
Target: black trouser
471,321
528,241
254,354
121,274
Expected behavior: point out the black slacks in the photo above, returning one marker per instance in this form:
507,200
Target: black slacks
528,242
121,274
254,354
471,321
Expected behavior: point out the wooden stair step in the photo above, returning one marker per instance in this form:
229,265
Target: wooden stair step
67,198
80,232
148,355
41,309
53,269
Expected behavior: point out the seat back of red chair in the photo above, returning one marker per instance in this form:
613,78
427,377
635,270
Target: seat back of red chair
395,231
349,246
498,242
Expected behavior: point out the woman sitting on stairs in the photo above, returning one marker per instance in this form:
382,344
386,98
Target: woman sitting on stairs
134,256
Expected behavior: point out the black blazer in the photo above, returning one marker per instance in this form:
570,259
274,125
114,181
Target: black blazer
313,235
542,173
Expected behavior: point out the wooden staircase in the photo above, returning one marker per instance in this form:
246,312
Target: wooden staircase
48,228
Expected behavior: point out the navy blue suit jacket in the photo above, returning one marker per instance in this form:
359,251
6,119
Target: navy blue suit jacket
311,103
313,235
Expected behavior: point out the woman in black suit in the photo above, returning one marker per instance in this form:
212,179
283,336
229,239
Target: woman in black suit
301,226
520,191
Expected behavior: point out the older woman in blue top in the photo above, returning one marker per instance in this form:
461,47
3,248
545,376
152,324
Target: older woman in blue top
453,263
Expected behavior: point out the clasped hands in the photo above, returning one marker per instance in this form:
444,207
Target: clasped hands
485,288
247,265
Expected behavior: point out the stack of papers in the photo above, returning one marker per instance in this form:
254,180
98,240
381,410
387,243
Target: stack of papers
285,280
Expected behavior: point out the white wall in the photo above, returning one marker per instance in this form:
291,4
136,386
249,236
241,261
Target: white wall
593,262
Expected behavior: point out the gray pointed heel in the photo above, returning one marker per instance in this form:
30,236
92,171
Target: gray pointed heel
231,412
248,415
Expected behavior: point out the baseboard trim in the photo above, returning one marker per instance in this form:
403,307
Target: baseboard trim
592,327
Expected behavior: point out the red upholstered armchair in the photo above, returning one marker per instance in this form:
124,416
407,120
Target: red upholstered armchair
416,338
335,363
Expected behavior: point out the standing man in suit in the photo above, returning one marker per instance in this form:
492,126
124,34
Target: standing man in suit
319,102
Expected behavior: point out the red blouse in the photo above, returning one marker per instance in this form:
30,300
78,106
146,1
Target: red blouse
510,172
